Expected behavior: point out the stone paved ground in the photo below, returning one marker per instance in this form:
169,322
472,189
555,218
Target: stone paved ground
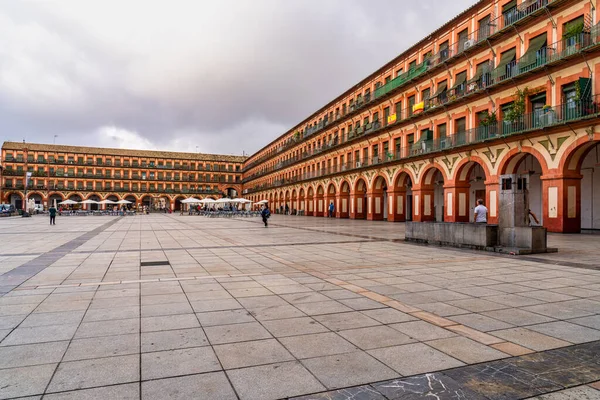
164,306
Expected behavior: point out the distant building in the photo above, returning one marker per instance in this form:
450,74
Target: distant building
151,178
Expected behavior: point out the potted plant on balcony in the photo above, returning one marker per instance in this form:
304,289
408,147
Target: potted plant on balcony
489,123
517,110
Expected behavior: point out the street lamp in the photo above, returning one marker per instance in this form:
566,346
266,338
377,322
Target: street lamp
54,141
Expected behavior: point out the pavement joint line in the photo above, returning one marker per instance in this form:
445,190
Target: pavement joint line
187,278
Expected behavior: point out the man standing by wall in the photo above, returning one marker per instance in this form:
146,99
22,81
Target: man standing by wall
481,212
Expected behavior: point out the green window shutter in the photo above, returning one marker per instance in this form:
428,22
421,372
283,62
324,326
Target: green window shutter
460,79
441,87
530,56
505,59
508,6
584,87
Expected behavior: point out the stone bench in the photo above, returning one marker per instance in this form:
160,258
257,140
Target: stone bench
456,234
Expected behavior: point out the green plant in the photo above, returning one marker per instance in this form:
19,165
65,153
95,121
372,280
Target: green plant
517,109
489,118
573,30
546,108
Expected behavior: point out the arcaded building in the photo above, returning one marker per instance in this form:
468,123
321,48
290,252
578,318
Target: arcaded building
506,87
156,179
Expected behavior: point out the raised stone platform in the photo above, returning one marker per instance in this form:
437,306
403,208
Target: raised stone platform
528,240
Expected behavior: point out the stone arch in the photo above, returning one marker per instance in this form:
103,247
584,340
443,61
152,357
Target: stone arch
310,205
428,199
95,197
358,208
343,206
531,165
509,164
320,209
469,186
178,203
55,197
15,198
377,199
401,207
301,200
580,186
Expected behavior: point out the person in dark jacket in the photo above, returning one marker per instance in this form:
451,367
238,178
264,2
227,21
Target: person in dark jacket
265,213
52,211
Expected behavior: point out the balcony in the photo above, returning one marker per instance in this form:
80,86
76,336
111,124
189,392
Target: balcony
562,114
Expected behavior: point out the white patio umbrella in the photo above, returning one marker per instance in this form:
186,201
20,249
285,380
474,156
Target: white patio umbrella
207,201
107,202
223,201
191,200
68,202
123,202
262,202
88,202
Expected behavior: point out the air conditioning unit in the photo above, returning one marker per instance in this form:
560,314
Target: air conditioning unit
358,164
375,160
469,43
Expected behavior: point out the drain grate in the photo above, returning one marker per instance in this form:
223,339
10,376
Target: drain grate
153,263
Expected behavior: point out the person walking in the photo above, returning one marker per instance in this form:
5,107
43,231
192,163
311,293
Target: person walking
52,211
265,213
481,213
331,209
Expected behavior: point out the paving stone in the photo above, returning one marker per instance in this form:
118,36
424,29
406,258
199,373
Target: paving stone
566,331
530,339
213,386
104,314
96,372
215,305
349,320
173,339
388,315
365,392
435,386
108,328
129,391
579,393
293,326
39,334
32,354
275,312
304,297
105,346
247,354
466,350
422,331
273,381
11,322
323,307
517,317
25,381
163,364
592,321
414,358
225,317
477,305
362,304
236,333
316,345
166,309
169,322
480,322
374,337
349,369
557,310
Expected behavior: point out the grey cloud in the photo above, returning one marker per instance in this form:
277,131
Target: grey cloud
230,80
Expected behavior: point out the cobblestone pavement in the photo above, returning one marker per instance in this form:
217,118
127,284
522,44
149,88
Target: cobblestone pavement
180,307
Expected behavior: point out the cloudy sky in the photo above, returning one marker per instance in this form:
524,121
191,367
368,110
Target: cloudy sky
227,76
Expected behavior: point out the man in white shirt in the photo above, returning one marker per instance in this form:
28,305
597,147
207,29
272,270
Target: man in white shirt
481,212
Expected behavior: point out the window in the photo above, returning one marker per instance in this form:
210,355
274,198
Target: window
505,66
425,94
399,72
412,65
463,36
388,78
572,31
441,131
509,12
460,125
398,110
375,150
411,103
484,28
444,52
386,114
